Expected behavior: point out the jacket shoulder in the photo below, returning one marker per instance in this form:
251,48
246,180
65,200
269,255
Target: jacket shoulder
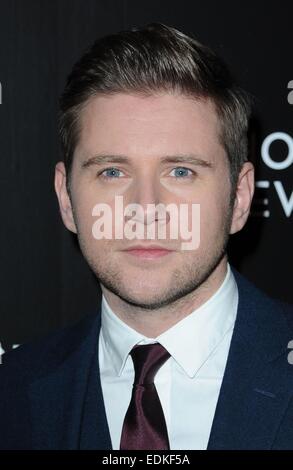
38,357
273,318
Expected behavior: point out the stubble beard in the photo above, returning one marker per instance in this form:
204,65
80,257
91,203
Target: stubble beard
184,281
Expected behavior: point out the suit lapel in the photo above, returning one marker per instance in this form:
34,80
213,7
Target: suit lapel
67,408
95,432
256,388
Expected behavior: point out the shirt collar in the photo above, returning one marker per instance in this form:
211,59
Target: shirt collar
190,342
119,338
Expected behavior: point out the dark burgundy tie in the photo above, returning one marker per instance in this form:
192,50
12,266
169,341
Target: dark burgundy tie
144,424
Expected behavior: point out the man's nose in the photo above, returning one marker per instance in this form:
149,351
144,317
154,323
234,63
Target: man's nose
147,193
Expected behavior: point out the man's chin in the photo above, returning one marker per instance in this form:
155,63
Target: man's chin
148,297
144,300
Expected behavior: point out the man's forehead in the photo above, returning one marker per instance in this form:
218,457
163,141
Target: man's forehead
140,105
176,114
106,128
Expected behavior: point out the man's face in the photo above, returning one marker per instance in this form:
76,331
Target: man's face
148,134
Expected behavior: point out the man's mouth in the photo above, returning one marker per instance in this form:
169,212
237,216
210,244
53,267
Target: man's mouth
148,251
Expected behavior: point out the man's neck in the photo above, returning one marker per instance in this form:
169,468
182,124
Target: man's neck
152,323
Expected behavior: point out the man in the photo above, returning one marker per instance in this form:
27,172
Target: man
184,353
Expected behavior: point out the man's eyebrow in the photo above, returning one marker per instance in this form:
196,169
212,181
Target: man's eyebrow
182,158
188,158
104,158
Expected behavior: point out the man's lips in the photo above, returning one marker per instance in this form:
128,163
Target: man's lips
148,252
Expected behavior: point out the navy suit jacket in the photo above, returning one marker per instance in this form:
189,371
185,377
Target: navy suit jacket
51,396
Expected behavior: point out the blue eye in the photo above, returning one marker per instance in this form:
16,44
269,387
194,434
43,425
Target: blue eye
111,173
181,172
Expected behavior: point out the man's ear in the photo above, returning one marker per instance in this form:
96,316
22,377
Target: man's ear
243,197
63,197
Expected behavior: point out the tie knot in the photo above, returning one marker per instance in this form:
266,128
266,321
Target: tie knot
147,360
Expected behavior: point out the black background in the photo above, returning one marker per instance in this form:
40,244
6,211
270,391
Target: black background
45,283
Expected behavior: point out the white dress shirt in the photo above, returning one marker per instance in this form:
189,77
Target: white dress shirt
188,383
